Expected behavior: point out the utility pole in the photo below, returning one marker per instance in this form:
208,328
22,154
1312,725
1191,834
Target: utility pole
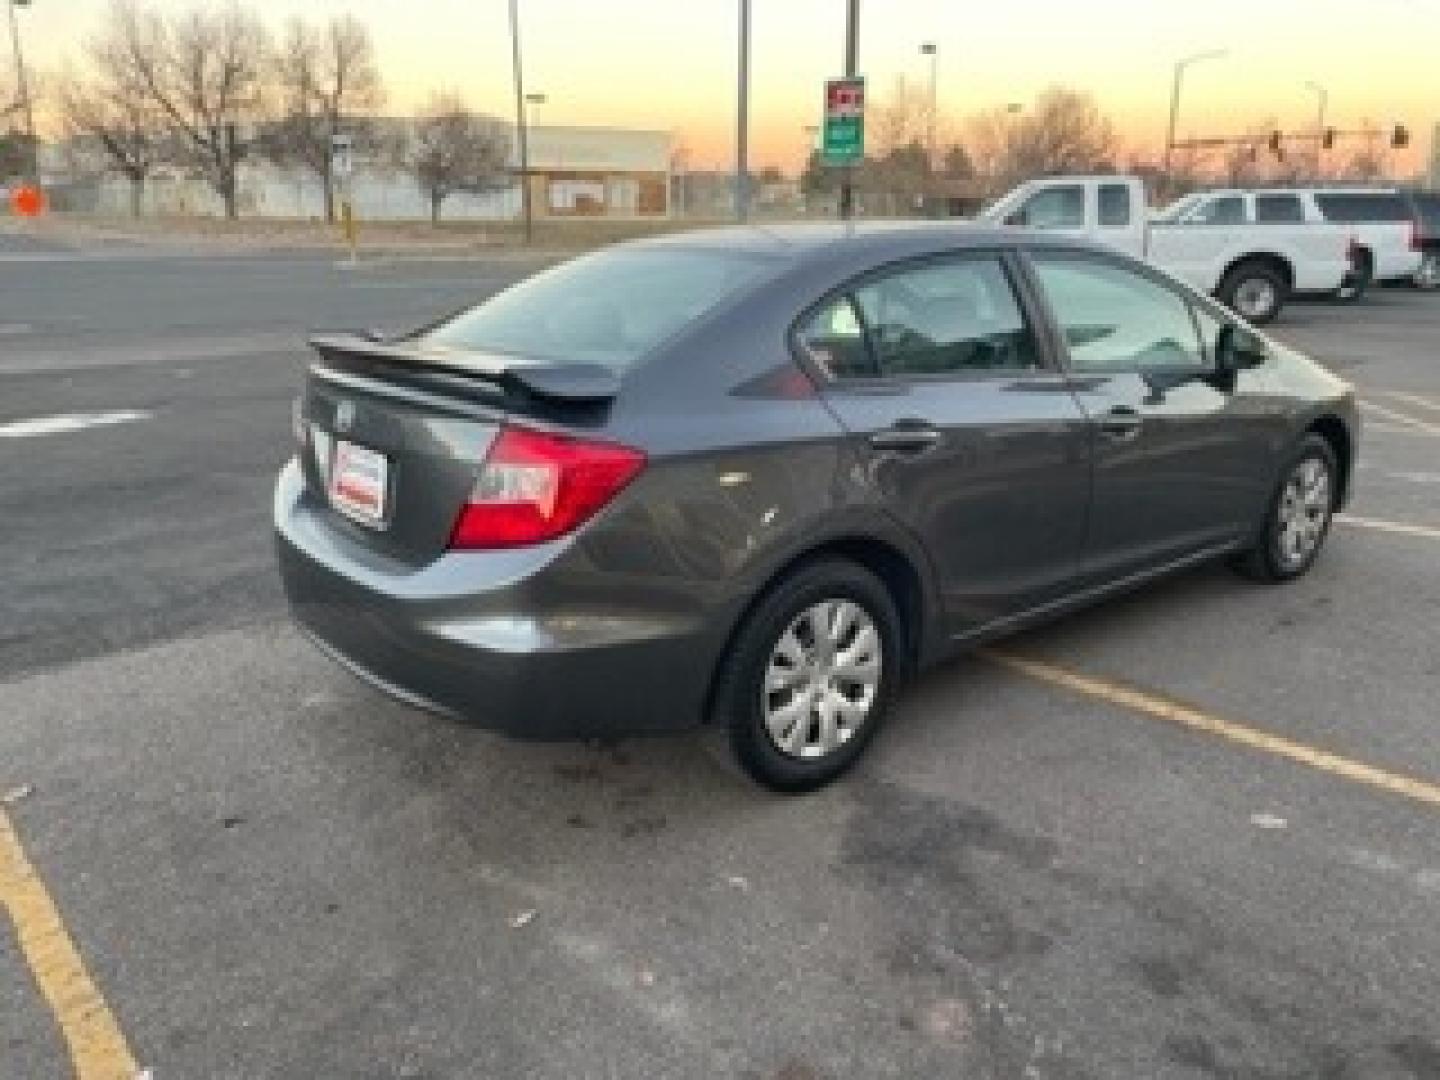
932,50
742,119
1324,96
1180,66
852,58
23,85
521,135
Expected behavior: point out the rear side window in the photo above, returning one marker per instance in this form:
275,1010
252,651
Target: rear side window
1054,208
1362,206
955,316
1427,210
1228,210
608,308
1116,319
1114,206
1278,208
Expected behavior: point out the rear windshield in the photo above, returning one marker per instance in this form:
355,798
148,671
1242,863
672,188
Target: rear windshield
607,308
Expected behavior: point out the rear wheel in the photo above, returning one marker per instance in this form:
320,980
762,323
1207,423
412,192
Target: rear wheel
1255,290
1298,517
808,676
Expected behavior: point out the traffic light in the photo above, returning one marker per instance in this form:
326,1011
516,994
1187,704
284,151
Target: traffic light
1275,137
1400,137
1327,140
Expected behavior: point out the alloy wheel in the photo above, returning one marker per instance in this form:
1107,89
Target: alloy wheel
1255,298
822,679
1304,511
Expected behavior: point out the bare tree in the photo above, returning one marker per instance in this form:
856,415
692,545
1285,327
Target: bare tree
901,120
109,112
1063,132
452,149
329,83
205,73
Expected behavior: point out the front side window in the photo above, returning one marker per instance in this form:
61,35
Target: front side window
1114,206
1053,208
1278,208
955,317
1116,319
1227,210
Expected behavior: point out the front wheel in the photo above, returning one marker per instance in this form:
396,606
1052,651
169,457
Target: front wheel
808,676
1298,517
1255,291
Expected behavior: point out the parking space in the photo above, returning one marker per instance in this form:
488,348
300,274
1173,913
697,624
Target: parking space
1189,833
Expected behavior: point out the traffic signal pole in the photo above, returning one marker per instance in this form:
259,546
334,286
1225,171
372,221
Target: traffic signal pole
23,85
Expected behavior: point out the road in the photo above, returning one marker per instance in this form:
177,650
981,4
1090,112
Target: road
268,871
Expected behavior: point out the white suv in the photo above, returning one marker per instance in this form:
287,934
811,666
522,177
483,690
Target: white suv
1386,246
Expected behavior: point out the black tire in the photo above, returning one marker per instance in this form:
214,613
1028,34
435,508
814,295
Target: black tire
738,710
1358,281
1257,277
1267,560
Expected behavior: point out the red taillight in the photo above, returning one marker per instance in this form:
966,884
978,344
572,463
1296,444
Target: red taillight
534,486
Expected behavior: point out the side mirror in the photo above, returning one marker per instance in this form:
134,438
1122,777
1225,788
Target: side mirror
1237,349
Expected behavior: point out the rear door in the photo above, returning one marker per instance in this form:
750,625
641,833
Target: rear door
973,438
1178,455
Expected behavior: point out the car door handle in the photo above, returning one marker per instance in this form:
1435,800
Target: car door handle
910,435
1121,423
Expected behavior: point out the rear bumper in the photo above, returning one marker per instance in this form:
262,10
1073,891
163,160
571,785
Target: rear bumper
490,639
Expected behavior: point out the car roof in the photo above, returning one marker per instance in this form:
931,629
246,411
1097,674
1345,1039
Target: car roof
807,240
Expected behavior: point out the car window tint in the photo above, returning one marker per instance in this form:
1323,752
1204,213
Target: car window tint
1229,210
1114,206
607,308
1278,208
1054,208
1362,206
1115,319
835,342
957,316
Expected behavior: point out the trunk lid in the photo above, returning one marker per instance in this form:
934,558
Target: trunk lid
431,416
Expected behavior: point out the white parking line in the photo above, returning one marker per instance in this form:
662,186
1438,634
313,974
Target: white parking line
68,422
1413,399
1402,527
1401,418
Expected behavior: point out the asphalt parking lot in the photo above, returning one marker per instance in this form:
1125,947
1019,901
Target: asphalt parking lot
1191,833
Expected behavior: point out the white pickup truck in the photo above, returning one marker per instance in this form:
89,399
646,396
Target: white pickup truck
1251,266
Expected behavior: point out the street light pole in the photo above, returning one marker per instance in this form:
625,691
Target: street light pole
852,62
521,135
742,119
1180,66
23,85
1324,96
932,50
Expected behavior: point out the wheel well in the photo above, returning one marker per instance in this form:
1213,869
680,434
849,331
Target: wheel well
1333,430
1278,263
894,569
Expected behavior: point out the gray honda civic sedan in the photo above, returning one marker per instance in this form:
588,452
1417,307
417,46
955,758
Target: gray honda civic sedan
754,478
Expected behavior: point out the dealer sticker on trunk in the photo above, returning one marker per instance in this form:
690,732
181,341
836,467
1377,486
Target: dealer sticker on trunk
359,482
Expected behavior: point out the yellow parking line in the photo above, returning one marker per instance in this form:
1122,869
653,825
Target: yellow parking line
1198,720
98,1050
1401,418
1403,527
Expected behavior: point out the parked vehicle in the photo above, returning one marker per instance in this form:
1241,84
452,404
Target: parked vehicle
1383,229
1212,242
1425,212
754,478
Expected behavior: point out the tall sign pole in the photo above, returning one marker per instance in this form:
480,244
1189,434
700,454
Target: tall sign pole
23,85
852,63
521,135
742,119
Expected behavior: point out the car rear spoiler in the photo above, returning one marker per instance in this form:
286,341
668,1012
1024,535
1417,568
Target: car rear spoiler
577,384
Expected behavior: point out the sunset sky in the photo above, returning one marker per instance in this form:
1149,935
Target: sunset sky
671,63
